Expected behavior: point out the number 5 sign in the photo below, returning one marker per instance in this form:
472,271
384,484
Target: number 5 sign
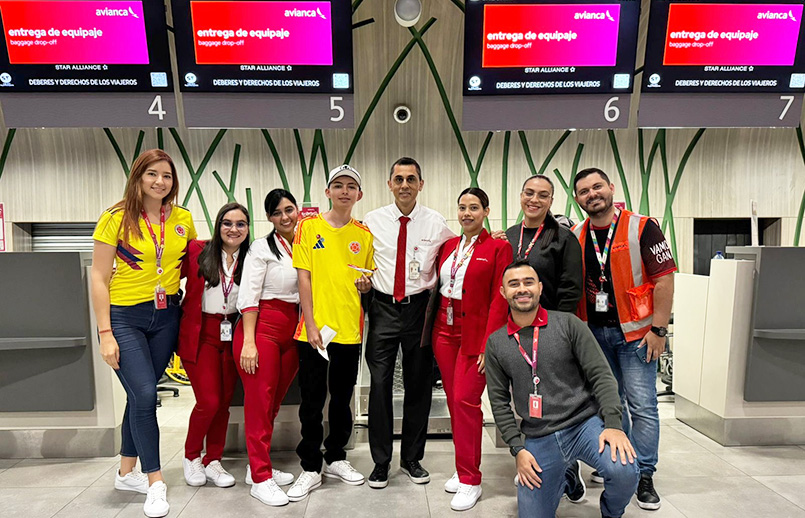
2,229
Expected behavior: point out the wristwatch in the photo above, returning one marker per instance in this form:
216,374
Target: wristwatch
659,331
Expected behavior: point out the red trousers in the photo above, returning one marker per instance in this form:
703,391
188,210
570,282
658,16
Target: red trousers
213,378
463,386
263,391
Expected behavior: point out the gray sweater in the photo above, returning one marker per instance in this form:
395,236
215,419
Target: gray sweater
576,382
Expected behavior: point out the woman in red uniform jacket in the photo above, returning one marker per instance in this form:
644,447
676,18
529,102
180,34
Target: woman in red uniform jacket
209,311
470,308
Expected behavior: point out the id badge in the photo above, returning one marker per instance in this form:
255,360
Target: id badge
601,302
414,270
160,298
226,331
535,406
449,315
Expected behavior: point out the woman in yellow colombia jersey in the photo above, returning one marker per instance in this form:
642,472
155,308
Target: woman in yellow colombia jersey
136,261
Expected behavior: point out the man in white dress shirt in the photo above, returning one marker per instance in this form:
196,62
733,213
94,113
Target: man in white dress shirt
407,237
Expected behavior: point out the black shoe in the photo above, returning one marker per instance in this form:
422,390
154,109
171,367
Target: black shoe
596,478
379,477
415,471
647,498
574,484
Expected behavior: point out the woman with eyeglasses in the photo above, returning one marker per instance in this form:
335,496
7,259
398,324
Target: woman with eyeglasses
549,247
265,351
209,313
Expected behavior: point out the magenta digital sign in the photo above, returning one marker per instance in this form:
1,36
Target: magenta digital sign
550,35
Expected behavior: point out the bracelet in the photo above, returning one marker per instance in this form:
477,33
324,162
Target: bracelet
102,331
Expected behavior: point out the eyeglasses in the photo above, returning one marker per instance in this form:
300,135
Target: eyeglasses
240,225
542,195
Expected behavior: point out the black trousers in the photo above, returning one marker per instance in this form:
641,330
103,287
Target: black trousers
316,376
391,327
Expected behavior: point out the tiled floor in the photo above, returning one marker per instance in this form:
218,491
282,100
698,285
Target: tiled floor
696,478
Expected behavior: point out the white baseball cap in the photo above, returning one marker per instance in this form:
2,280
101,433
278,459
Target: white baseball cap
343,170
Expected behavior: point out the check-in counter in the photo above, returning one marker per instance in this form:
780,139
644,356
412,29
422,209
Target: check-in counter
739,355
57,398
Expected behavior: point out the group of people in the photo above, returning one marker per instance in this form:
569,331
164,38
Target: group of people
479,303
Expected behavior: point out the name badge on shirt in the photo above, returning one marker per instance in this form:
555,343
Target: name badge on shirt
535,406
601,302
160,297
449,315
226,331
414,269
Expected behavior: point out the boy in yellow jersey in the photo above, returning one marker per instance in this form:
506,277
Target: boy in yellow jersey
329,252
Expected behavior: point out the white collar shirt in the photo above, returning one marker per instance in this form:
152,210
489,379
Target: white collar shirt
426,232
461,252
212,300
267,277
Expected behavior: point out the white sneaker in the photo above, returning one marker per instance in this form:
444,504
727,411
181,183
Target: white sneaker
307,482
156,503
194,472
343,469
269,493
216,474
135,480
451,486
466,497
280,477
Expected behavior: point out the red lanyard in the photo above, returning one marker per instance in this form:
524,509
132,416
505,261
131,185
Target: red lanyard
160,247
602,257
455,267
227,289
288,250
530,245
533,361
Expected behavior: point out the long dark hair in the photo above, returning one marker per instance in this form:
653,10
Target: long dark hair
273,200
209,260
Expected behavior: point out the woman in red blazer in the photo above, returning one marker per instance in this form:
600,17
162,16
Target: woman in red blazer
470,309
209,311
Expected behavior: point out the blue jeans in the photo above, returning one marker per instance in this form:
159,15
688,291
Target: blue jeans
637,384
147,338
554,452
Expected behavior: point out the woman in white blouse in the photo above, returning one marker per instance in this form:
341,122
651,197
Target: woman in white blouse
264,347
209,310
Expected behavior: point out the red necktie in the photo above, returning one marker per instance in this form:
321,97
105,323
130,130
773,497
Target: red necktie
399,267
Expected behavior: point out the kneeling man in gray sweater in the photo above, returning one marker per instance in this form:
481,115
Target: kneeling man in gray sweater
566,395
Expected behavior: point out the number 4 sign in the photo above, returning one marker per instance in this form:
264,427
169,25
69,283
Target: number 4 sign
2,229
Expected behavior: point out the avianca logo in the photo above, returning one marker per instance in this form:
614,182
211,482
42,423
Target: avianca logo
304,13
768,15
115,12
